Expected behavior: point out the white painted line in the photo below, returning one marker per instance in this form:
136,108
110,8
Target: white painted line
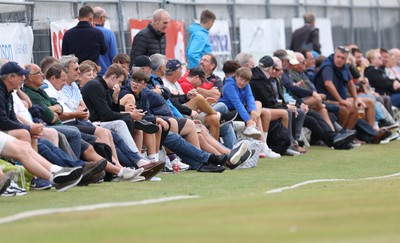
281,189
41,212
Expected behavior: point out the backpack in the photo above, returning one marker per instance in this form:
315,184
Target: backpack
278,137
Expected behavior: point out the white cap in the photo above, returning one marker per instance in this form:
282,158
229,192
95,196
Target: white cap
292,57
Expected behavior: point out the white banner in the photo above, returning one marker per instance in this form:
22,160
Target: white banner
220,42
262,37
16,42
325,33
57,29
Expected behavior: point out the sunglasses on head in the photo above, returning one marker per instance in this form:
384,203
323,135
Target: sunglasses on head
343,49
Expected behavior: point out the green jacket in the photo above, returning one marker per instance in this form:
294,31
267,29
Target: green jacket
39,97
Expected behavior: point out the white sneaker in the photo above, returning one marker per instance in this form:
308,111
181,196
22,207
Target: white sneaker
182,166
268,152
271,154
252,131
291,152
128,174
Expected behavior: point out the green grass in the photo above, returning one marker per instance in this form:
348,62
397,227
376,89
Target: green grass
232,206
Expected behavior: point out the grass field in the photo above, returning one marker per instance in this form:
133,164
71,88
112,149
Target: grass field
232,206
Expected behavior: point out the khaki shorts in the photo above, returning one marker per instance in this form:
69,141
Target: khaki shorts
4,138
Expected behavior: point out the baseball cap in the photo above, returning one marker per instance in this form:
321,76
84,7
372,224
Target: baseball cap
143,61
292,57
266,62
173,65
198,71
13,67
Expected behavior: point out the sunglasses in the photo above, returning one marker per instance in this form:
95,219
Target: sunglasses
343,49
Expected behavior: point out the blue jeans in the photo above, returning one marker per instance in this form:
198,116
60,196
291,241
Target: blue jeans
395,99
126,156
187,152
55,155
73,136
226,131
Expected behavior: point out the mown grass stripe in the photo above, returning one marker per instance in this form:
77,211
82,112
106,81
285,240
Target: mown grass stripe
41,212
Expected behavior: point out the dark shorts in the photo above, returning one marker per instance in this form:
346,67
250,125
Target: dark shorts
181,122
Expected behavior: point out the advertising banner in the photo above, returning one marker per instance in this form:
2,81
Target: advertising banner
262,37
221,42
16,42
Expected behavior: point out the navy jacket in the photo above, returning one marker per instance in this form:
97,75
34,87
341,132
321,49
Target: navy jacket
85,42
8,120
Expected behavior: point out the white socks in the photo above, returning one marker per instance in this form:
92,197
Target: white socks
55,168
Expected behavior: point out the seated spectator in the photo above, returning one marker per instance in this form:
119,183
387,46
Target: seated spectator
64,178
379,80
237,96
333,79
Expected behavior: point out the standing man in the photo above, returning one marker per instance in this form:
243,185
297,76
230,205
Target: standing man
99,19
151,39
84,40
306,37
199,43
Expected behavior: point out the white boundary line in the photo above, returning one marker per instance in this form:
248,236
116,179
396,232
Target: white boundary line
281,189
41,212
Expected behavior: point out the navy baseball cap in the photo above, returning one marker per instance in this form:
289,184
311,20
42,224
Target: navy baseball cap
12,67
143,61
173,65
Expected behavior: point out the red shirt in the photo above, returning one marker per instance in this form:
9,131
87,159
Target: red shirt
185,84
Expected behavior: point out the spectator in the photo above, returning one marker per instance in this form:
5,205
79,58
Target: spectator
306,37
238,96
199,43
84,41
151,39
379,80
63,178
99,19
334,80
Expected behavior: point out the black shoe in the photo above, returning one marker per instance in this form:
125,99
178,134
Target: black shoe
96,178
237,152
93,168
227,117
152,169
247,155
345,146
211,168
6,181
343,138
217,159
146,126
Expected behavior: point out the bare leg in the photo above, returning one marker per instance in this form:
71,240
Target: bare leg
280,114
189,133
212,123
51,135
